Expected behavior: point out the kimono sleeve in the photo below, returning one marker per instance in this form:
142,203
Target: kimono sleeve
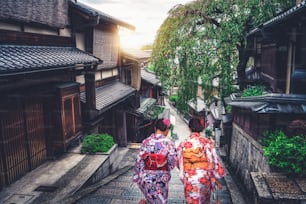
172,155
139,165
218,170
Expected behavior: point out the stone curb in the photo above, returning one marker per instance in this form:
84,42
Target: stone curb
83,192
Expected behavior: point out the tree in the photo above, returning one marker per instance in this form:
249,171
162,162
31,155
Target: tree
207,39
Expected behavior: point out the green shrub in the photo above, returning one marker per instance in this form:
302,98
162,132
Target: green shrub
97,143
253,91
173,98
154,111
286,154
151,68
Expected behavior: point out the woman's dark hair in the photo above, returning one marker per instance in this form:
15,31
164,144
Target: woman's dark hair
161,124
196,125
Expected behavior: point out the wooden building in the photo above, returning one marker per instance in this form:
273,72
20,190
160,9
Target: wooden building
151,86
278,49
40,110
59,80
133,61
105,96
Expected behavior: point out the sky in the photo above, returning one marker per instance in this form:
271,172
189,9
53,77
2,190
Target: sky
146,15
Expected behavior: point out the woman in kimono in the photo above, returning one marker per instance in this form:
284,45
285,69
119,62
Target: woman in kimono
156,157
199,165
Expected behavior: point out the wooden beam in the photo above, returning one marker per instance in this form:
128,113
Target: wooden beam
24,38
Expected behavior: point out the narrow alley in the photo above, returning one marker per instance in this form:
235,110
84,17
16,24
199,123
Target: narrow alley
123,190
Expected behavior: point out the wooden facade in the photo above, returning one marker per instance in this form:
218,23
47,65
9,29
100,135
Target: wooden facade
98,33
278,50
40,110
255,124
63,117
22,136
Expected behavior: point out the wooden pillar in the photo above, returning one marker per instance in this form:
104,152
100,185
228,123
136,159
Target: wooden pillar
120,124
90,92
151,92
290,60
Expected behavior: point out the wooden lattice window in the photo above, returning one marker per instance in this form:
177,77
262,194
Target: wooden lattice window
71,115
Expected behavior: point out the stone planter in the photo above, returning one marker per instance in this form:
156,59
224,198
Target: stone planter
278,188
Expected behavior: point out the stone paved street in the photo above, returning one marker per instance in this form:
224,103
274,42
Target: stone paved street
122,190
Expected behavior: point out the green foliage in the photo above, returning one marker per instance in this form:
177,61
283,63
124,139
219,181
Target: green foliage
154,111
173,98
253,91
228,108
287,154
151,67
97,143
208,133
205,39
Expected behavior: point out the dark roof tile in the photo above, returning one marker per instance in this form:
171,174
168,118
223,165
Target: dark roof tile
15,59
110,94
282,17
94,13
270,103
30,11
149,77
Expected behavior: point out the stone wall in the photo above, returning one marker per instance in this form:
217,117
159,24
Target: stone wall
246,156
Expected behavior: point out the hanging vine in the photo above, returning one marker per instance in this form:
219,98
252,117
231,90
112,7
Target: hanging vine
206,39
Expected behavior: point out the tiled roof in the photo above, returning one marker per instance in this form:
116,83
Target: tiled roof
295,10
110,94
17,59
136,54
199,105
101,15
53,13
270,103
149,77
145,104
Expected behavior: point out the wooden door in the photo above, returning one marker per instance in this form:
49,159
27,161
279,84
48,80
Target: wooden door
13,145
22,138
71,116
34,125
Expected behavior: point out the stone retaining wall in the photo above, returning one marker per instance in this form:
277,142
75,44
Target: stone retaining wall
107,166
246,156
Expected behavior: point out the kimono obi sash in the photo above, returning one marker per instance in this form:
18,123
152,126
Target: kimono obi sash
195,158
155,161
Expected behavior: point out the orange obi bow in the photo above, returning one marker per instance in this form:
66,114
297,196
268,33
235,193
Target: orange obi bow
195,158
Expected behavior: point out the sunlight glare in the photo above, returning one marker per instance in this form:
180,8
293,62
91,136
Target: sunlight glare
132,39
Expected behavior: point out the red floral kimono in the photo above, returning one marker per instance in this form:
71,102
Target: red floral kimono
199,168
156,157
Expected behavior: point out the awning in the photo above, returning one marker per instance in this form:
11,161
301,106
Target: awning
270,103
109,95
99,16
199,105
21,59
145,104
149,77
283,17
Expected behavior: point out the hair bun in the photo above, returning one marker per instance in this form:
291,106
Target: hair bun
167,122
